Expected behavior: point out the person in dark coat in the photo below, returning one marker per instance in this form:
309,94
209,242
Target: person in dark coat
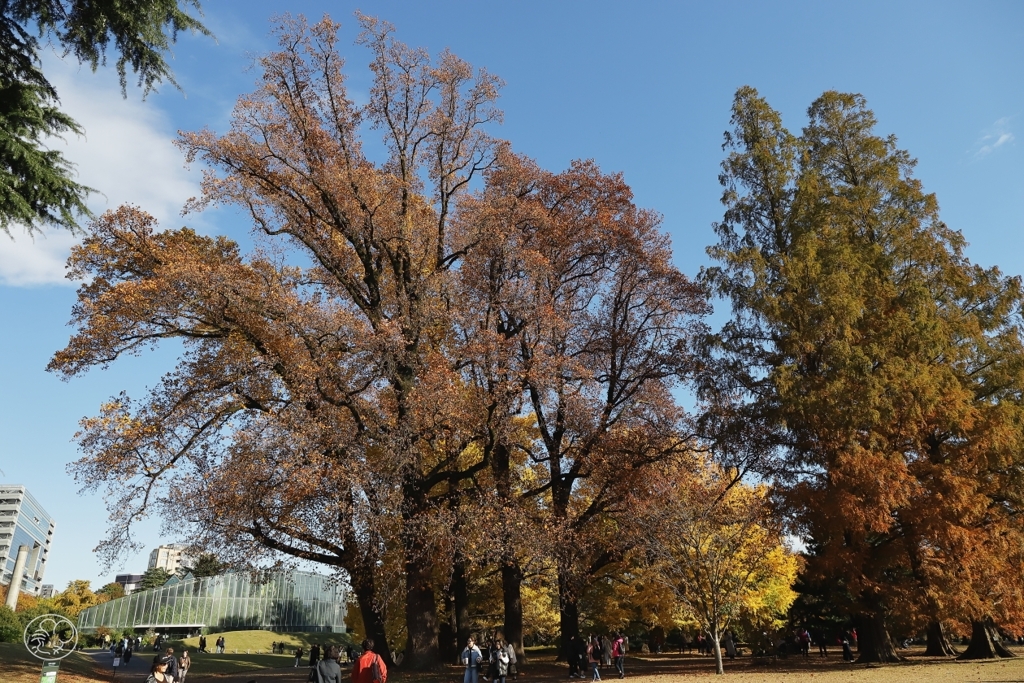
581,655
314,654
847,650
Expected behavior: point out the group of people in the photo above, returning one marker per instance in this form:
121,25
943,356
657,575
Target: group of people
494,663
169,669
315,652
124,647
219,644
369,667
590,654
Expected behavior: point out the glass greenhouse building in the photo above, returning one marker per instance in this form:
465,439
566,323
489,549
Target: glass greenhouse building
281,601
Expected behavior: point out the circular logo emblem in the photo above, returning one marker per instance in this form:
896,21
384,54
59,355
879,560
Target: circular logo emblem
51,636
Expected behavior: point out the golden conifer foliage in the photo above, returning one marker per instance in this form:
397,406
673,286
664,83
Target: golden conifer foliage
880,367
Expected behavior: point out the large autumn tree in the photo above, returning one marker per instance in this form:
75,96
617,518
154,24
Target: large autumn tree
579,319
351,391
868,354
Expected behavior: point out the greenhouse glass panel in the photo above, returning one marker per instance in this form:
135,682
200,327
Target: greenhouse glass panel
295,601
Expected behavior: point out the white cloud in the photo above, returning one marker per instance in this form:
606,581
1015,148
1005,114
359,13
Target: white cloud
994,137
27,262
126,154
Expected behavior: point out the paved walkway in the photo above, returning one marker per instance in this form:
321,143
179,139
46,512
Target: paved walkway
135,669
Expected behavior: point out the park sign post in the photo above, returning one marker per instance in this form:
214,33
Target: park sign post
50,670
50,637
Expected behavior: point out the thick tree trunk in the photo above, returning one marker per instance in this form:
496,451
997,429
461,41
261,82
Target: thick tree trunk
373,622
511,573
938,643
874,643
460,595
511,589
985,642
421,650
568,615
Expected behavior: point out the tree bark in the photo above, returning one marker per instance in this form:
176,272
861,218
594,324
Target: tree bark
511,589
985,642
511,572
873,640
716,645
373,622
460,593
568,615
938,643
421,651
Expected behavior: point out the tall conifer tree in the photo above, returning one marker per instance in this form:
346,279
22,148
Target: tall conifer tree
882,367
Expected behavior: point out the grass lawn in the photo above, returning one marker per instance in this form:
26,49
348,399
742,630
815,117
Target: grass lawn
18,666
253,642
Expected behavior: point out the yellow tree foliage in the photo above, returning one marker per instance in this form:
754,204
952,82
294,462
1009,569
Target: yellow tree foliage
75,598
716,544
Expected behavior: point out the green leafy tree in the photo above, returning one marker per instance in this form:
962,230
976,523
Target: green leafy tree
10,626
154,578
110,591
207,564
37,186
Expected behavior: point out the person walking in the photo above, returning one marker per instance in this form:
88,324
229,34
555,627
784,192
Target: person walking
847,650
327,670
470,658
513,665
158,672
730,644
184,664
499,661
314,655
172,663
369,667
573,657
594,657
619,654
298,656
606,650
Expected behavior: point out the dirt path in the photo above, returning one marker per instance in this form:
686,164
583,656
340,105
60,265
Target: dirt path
668,668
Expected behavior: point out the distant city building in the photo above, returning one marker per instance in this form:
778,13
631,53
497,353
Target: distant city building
23,522
171,557
47,591
282,601
130,582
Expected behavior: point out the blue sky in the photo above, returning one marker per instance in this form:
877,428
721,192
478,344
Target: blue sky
641,87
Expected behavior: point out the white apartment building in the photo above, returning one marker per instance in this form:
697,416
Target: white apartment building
171,557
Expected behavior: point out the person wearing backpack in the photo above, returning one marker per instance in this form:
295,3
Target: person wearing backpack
369,667
619,654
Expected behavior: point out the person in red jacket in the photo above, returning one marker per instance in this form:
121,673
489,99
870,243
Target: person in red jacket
369,667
